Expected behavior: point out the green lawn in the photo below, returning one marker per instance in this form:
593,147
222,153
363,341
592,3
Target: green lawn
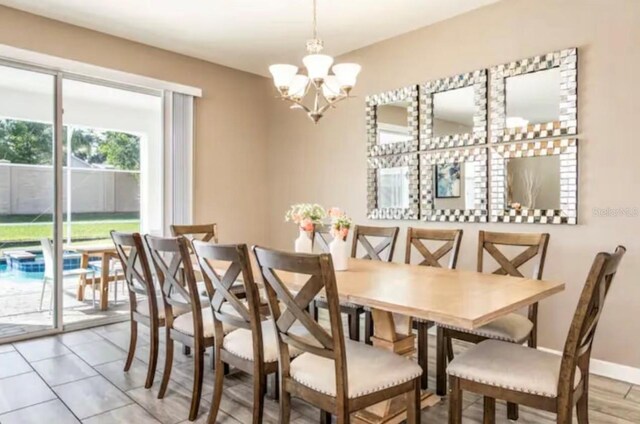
79,230
46,218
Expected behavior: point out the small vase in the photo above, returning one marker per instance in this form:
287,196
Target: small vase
303,243
339,254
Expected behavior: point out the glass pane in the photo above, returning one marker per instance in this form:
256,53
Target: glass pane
26,201
112,174
393,187
393,123
453,112
533,98
533,183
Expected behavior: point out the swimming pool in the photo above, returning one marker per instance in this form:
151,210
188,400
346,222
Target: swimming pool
19,276
28,265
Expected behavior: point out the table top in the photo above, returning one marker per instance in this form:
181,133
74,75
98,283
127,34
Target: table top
95,249
466,299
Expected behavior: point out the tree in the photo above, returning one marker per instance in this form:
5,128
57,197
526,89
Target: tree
26,142
121,150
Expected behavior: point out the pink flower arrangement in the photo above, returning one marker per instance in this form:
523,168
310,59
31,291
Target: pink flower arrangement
340,223
306,215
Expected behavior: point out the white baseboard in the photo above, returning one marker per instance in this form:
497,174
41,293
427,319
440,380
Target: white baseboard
608,369
598,367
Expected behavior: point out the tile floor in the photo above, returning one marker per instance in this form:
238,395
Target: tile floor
78,377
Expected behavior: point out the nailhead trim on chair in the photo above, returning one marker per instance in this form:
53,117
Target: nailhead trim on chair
484,334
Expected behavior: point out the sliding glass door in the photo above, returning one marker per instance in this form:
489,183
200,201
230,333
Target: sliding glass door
27,201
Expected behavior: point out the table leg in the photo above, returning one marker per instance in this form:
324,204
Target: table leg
104,282
82,281
393,332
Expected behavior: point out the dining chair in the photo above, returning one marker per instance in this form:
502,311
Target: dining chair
49,274
416,238
202,232
143,299
321,238
195,329
382,251
521,375
514,328
253,346
334,374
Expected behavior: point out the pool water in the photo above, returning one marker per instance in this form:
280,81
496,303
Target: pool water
19,276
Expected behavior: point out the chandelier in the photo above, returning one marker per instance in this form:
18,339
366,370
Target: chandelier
328,89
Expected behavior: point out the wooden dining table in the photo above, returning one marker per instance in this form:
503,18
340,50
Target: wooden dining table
105,252
398,292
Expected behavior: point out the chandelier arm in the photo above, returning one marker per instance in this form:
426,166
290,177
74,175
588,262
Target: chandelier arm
297,102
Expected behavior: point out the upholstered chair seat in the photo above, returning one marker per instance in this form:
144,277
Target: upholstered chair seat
511,366
240,342
369,370
514,328
143,308
184,323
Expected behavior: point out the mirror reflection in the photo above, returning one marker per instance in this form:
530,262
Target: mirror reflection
393,123
533,98
533,183
453,112
454,185
393,187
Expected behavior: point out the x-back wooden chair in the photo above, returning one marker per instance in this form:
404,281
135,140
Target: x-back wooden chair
202,232
172,261
244,348
514,328
321,238
329,372
415,240
383,251
542,380
145,310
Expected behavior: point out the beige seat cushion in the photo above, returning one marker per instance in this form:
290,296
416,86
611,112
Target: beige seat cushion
510,366
513,328
240,342
184,322
369,370
143,308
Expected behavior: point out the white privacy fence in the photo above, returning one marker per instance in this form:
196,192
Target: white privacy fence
28,189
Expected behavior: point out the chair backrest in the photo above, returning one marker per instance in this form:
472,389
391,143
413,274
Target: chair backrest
172,262
322,237
536,247
389,236
222,266
136,269
452,238
317,273
577,348
47,255
203,232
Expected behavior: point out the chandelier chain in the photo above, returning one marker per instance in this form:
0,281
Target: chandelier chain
315,19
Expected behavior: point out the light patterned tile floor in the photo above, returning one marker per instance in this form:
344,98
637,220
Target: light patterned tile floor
77,377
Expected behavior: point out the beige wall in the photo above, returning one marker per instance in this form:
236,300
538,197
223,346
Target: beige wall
326,163
230,118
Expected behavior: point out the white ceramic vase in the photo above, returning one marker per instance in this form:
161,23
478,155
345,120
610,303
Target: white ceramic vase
339,254
303,243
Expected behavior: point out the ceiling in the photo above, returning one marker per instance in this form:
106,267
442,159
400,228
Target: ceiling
249,34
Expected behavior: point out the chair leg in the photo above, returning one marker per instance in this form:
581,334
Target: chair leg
325,417
259,388
368,327
153,357
489,414
168,363
274,390
441,363
133,338
285,405
413,404
44,286
354,325
198,373
449,349
423,352
313,309
186,350
512,411
216,398
582,407
455,401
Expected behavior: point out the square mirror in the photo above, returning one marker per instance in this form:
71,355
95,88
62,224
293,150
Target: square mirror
392,122
535,182
453,111
393,187
454,186
535,97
